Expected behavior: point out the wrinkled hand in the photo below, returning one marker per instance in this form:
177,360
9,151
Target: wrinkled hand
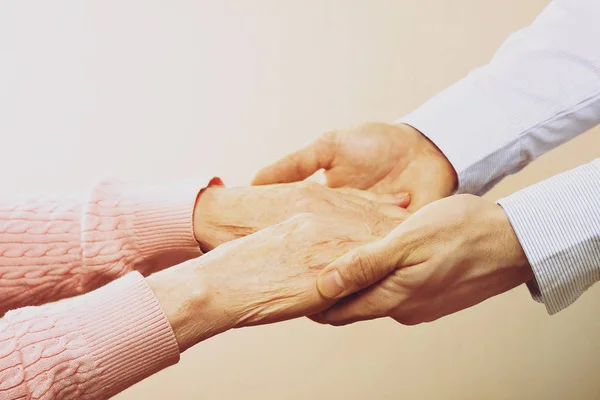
448,256
262,278
378,157
223,214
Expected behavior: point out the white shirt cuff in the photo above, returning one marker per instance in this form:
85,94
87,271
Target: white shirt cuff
557,222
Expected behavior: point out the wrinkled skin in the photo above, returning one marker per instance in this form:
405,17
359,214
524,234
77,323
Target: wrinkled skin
448,256
224,214
265,277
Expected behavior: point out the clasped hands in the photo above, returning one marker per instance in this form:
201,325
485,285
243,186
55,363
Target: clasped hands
383,239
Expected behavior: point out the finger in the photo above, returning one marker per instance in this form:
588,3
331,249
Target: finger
317,318
366,305
358,269
396,199
421,199
394,212
393,215
299,165
433,188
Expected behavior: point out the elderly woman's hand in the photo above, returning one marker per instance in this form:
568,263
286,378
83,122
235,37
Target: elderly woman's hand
223,214
266,277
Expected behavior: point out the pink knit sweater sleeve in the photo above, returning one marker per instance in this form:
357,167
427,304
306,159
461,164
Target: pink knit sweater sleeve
97,344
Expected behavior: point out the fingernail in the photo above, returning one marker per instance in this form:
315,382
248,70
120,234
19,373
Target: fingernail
330,284
403,199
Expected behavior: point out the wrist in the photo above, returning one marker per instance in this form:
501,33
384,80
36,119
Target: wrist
510,247
188,300
210,227
436,156
223,214
204,209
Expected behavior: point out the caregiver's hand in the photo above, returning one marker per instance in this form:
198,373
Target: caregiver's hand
263,278
378,157
450,255
223,214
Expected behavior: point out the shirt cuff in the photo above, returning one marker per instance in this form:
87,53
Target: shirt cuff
557,222
472,126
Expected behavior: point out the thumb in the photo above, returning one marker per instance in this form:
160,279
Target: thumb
357,269
299,165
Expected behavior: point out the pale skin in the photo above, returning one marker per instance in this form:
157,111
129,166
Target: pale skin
448,256
451,254
223,214
279,238
368,257
263,278
377,157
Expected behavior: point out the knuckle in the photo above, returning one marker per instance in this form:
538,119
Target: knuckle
298,221
308,196
412,279
362,271
375,307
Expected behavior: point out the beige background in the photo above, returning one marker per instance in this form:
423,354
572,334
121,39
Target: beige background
151,91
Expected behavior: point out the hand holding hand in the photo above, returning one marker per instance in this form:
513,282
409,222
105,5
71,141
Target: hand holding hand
378,157
223,214
265,277
448,256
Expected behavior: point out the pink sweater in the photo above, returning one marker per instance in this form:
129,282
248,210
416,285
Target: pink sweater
97,344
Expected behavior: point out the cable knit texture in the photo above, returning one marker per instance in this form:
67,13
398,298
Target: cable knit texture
97,344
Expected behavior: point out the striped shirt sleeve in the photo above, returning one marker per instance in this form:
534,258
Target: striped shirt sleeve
557,222
541,88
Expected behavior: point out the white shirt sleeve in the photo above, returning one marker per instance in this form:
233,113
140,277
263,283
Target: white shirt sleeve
541,88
